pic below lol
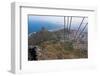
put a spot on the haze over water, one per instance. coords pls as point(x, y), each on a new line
point(52, 23)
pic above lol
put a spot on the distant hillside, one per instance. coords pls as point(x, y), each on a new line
point(36, 38)
point(41, 36)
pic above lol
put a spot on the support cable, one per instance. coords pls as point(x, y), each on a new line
point(82, 31)
point(79, 28)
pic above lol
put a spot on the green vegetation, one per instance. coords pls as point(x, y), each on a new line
point(58, 51)
point(53, 46)
point(68, 46)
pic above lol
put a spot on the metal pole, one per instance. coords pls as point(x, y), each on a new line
point(69, 26)
point(64, 27)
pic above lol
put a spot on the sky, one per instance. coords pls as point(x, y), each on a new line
point(35, 23)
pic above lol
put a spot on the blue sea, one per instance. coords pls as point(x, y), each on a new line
point(36, 23)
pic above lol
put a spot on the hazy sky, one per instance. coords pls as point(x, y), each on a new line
point(51, 19)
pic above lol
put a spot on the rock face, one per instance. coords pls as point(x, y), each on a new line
point(32, 55)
